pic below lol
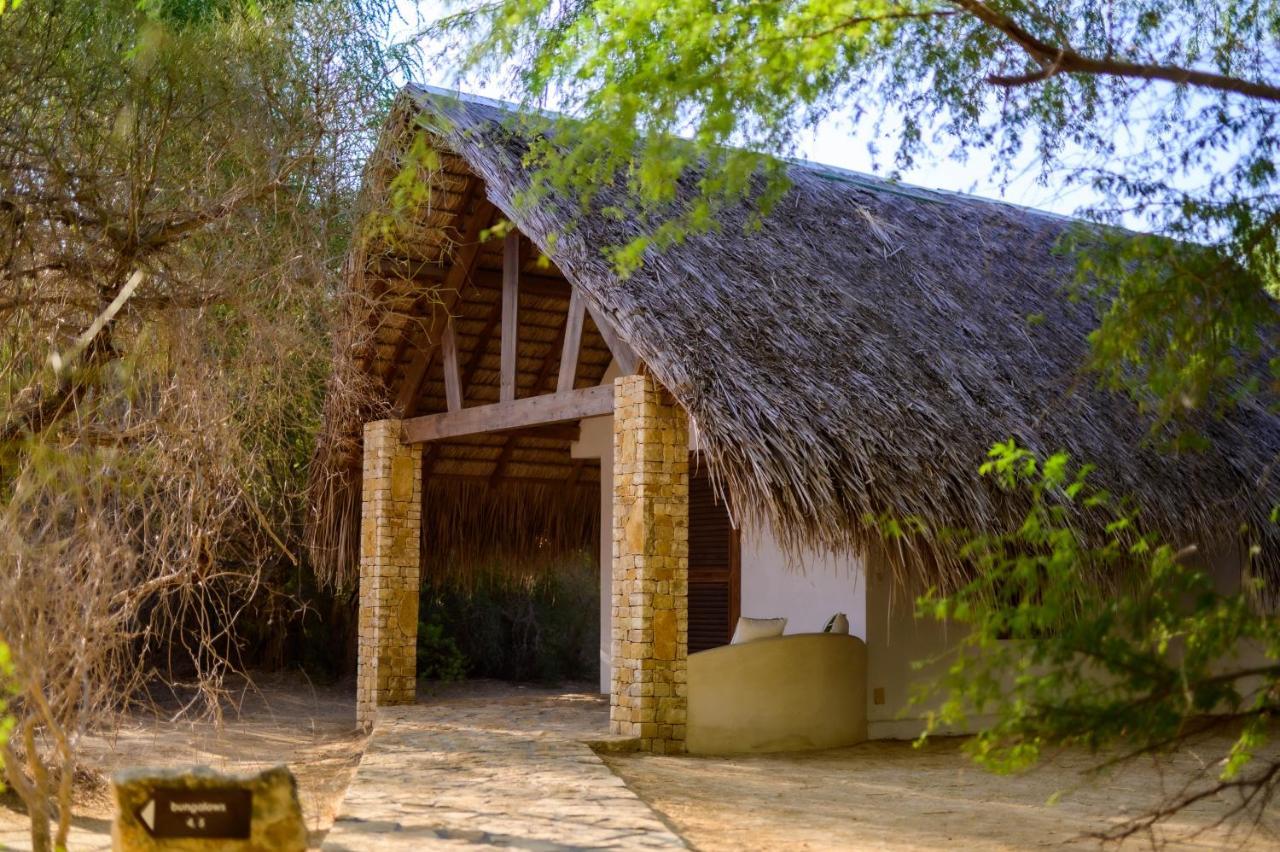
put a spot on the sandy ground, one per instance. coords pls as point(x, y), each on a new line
point(286, 720)
point(891, 796)
point(884, 795)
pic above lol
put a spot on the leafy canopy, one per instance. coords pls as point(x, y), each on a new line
point(1163, 108)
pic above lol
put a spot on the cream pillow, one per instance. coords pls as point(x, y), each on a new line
point(838, 623)
point(750, 629)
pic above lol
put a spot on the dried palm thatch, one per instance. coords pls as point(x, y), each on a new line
point(857, 354)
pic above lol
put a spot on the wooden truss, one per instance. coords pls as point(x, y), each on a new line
point(566, 404)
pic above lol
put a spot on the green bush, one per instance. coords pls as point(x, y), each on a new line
point(438, 655)
point(542, 628)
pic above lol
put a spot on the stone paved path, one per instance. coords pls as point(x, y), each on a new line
point(508, 769)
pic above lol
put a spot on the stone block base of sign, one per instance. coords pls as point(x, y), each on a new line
point(199, 810)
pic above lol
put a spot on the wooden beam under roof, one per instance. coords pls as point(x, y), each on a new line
point(510, 316)
point(450, 291)
point(470, 186)
point(544, 373)
point(626, 357)
point(501, 416)
point(572, 342)
point(449, 360)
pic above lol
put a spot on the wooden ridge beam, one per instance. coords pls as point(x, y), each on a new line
point(502, 416)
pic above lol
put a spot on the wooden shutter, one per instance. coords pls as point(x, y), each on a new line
point(713, 564)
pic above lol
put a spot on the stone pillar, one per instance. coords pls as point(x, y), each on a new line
point(390, 524)
point(650, 565)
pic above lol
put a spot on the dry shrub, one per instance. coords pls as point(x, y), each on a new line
point(176, 188)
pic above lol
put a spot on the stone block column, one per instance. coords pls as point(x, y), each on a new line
point(650, 565)
point(390, 524)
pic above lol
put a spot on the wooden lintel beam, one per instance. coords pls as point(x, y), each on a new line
point(510, 316)
point(501, 416)
point(572, 342)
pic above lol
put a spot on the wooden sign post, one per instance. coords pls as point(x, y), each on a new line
point(199, 809)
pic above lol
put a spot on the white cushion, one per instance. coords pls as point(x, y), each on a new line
point(750, 629)
point(838, 623)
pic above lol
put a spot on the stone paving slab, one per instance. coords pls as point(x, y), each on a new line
point(508, 770)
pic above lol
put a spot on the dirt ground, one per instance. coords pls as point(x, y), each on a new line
point(876, 796)
point(282, 720)
point(892, 796)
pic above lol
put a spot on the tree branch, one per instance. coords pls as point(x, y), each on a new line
point(1061, 59)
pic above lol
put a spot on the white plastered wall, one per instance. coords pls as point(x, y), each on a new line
point(897, 641)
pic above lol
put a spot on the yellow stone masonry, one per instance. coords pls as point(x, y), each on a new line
point(390, 524)
point(650, 565)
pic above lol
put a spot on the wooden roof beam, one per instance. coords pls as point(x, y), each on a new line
point(626, 357)
point(539, 381)
point(502, 416)
point(449, 360)
point(572, 342)
point(510, 316)
point(450, 291)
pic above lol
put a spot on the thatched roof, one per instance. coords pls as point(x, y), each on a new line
point(859, 352)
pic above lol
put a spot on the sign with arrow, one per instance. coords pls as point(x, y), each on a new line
point(216, 813)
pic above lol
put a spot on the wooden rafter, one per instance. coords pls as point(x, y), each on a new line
point(450, 291)
point(482, 346)
point(510, 316)
point(473, 364)
point(622, 352)
point(449, 360)
point(572, 342)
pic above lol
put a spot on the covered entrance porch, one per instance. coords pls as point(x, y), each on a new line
point(549, 376)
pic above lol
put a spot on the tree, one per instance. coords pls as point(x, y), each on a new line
point(176, 188)
point(1165, 110)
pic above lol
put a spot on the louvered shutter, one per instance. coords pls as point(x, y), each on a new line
point(713, 564)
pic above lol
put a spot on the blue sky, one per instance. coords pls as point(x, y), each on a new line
point(835, 143)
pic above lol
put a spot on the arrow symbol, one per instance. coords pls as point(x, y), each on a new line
point(147, 813)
